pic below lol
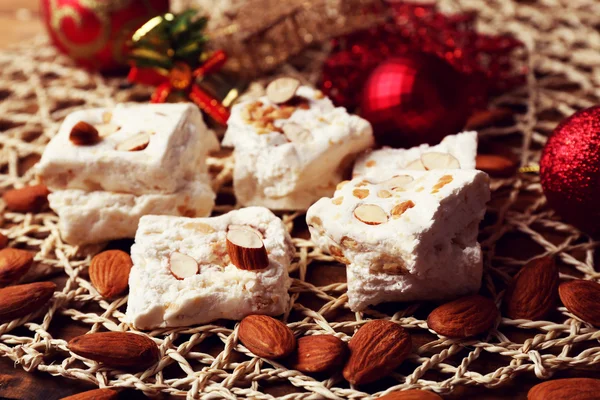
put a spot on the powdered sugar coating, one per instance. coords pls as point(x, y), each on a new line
point(384, 163)
point(419, 247)
point(277, 173)
point(219, 290)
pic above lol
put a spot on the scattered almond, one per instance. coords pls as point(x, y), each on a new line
point(109, 272)
point(533, 292)
point(413, 394)
point(416, 165)
point(320, 353)
point(296, 133)
point(96, 394)
point(182, 266)
point(3, 241)
point(495, 165)
point(266, 337)
point(484, 118)
point(435, 160)
point(84, 134)
point(401, 208)
point(246, 249)
point(135, 143)
point(464, 317)
point(27, 199)
point(282, 89)
point(376, 350)
point(563, 389)
point(582, 298)
point(370, 214)
point(20, 300)
point(14, 263)
point(360, 193)
point(117, 349)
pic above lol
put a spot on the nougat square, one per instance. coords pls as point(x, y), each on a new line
point(219, 289)
point(175, 152)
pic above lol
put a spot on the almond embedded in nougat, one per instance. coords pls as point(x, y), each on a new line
point(182, 266)
point(246, 249)
point(266, 337)
point(436, 160)
point(137, 142)
point(14, 263)
point(370, 214)
point(282, 89)
point(109, 272)
point(84, 134)
point(376, 350)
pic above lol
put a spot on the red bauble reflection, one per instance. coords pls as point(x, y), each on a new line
point(95, 33)
point(414, 99)
point(570, 170)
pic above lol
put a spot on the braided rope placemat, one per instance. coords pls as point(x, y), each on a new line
point(38, 88)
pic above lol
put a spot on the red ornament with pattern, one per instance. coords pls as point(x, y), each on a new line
point(95, 32)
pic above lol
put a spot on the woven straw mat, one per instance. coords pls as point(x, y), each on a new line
point(38, 89)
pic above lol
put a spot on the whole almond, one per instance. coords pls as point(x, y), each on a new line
point(3, 241)
point(266, 337)
point(582, 298)
point(495, 165)
point(20, 300)
point(14, 263)
point(320, 353)
point(413, 394)
point(566, 389)
point(84, 134)
point(376, 350)
point(27, 199)
point(533, 292)
point(484, 118)
point(109, 272)
point(96, 394)
point(464, 317)
point(117, 349)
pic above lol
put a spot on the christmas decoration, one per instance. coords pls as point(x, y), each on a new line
point(95, 33)
point(169, 52)
point(487, 63)
point(414, 99)
point(570, 169)
point(260, 35)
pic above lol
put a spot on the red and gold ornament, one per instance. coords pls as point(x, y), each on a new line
point(570, 170)
point(95, 33)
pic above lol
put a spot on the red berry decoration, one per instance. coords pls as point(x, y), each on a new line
point(95, 33)
point(414, 99)
point(570, 170)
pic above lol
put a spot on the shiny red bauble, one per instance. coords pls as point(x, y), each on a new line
point(414, 99)
point(95, 32)
point(570, 170)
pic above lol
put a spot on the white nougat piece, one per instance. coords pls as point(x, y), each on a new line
point(94, 217)
point(219, 289)
point(178, 144)
point(413, 237)
point(289, 155)
point(386, 162)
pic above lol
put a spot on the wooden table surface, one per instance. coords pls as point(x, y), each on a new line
point(19, 21)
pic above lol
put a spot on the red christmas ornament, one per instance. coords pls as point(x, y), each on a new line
point(570, 170)
point(95, 32)
point(414, 99)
